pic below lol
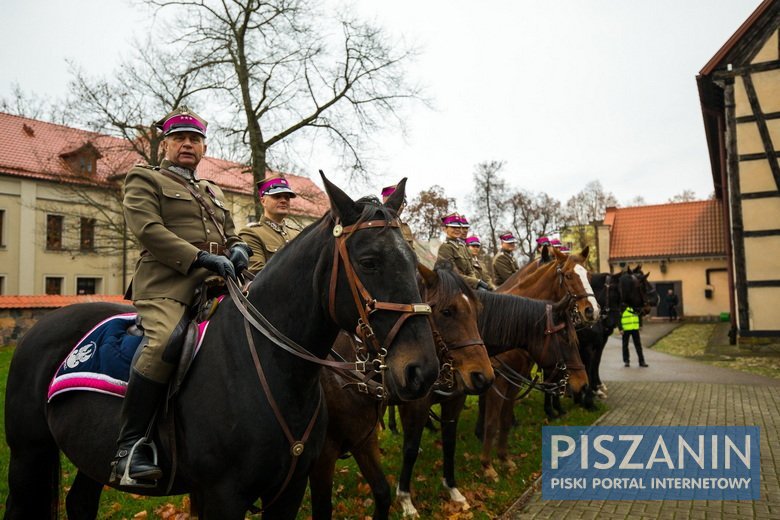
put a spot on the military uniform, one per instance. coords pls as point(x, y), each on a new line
point(172, 227)
point(454, 250)
point(406, 231)
point(480, 271)
point(265, 238)
point(504, 265)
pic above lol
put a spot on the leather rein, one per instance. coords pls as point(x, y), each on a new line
point(366, 305)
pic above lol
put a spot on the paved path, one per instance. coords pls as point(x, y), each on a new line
point(675, 392)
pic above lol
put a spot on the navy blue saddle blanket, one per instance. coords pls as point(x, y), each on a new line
point(100, 361)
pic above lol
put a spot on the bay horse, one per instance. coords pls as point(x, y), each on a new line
point(353, 415)
point(234, 441)
point(541, 332)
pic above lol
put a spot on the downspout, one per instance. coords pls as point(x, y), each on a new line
point(727, 229)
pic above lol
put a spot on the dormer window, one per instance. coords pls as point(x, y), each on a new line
point(83, 160)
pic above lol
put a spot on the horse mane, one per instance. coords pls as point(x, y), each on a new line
point(451, 285)
point(511, 321)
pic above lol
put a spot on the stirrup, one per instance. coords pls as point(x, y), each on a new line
point(126, 479)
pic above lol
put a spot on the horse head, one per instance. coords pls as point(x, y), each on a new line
point(565, 347)
point(371, 288)
point(455, 309)
point(649, 294)
point(574, 278)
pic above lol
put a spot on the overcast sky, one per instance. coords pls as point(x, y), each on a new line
point(566, 92)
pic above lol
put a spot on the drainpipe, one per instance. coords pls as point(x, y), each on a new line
point(727, 228)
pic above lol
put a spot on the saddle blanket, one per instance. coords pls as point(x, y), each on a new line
point(100, 361)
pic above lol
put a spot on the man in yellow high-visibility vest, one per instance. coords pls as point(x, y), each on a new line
point(629, 324)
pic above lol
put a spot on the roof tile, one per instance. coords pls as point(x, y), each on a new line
point(32, 149)
point(686, 229)
point(54, 301)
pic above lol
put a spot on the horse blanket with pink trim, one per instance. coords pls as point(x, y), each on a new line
point(100, 361)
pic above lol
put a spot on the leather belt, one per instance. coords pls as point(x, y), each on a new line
point(215, 248)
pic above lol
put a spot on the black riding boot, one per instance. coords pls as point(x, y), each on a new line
point(141, 401)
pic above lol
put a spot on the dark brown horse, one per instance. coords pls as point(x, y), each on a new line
point(355, 407)
point(240, 435)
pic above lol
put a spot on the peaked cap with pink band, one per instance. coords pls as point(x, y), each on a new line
point(451, 220)
point(275, 185)
point(182, 119)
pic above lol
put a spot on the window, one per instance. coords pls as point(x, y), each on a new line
point(54, 232)
point(87, 285)
point(2, 228)
point(53, 285)
point(2, 284)
point(87, 234)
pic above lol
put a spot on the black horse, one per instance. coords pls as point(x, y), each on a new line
point(234, 442)
point(613, 293)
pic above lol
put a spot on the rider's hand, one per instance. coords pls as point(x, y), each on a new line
point(218, 264)
point(239, 257)
point(481, 285)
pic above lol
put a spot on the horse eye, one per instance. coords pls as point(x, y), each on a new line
point(448, 312)
point(368, 263)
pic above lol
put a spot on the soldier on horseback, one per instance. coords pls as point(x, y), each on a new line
point(187, 234)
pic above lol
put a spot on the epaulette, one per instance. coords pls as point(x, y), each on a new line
point(147, 166)
point(254, 224)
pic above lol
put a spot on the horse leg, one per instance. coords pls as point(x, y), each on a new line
point(479, 429)
point(414, 415)
point(83, 498)
point(490, 412)
point(33, 480)
point(391, 424)
point(506, 421)
point(548, 407)
point(367, 456)
point(450, 412)
point(321, 481)
point(556, 400)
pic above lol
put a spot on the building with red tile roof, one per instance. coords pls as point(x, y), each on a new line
point(740, 104)
point(681, 244)
point(61, 224)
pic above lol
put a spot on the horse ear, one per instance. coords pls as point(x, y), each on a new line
point(560, 257)
point(429, 277)
point(585, 252)
point(545, 254)
point(340, 203)
point(396, 199)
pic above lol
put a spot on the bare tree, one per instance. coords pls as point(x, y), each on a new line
point(31, 105)
point(684, 196)
point(425, 210)
point(532, 216)
point(284, 74)
point(489, 200)
point(584, 208)
point(637, 201)
point(140, 91)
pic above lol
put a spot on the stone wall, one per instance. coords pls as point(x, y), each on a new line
point(15, 322)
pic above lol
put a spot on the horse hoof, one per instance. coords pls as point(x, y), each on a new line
point(490, 473)
point(456, 496)
point(407, 507)
point(600, 394)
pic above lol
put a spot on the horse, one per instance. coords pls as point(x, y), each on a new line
point(354, 410)
point(250, 418)
point(563, 275)
point(542, 332)
point(613, 292)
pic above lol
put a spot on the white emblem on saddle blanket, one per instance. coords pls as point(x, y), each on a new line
point(81, 354)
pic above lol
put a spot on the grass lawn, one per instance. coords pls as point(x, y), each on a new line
point(692, 340)
point(352, 494)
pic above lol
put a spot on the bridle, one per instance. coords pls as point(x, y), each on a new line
point(445, 383)
point(575, 297)
point(552, 385)
point(365, 304)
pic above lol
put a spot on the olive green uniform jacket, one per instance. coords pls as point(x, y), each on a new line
point(504, 265)
point(167, 220)
point(266, 238)
point(481, 272)
point(455, 251)
point(406, 232)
